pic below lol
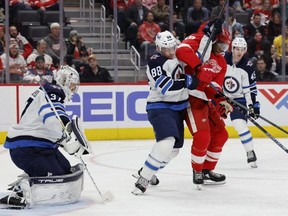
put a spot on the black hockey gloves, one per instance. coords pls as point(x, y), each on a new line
point(254, 110)
point(215, 24)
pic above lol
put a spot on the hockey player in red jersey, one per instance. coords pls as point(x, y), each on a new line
point(203, 116)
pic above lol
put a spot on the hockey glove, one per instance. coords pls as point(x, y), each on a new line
point(191, 82)
point(224, 107)
point(204, 73)
point(215, 24)
point(254, 110)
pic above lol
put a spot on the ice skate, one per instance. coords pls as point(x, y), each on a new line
point(251, 159)
point(13, 201)
point(198, 179)
point(153, 181)
point(140, 186)
point(212, 178)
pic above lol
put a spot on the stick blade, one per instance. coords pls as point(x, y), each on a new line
point(107, 196)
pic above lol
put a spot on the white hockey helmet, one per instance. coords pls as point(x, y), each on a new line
point(68, 78)
point(239, 42)
point(165, 39)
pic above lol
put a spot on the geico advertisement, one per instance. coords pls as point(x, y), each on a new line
point(123, 106)
point(106, 106)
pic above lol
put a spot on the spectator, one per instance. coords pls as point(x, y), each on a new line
point(233, 25)
point(82, 64)
point(273, 61)
point(196, 15)
point(254, 25)
point(216, 10)
point(15, 6)
point(135, 17)
point(161, 14)
point(2, 39)
point(274, 26)
point(258, 46)
point(264, 11)
point(75, 46)
point(53, 42)
point(178, 28)
point(47, 5)
point(278, 40)
point(25, 48)
point(149, 3)
point(17, 63)
point(35, 74)
point(146, 35)
point(122, 6)
point(187, 5)
point(95, 73)
point(262, 73)
point(40, 50)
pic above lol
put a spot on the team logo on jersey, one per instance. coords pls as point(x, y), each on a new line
point(231, 85)
point(249, 63)
point(177, 73)
point(215, 66)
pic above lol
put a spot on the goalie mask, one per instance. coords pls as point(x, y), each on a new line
point(68, 79)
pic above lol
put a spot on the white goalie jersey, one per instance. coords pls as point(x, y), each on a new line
point(38, 121)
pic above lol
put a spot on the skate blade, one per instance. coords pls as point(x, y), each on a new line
point(11, 206)
point(210, 183)
point(136, 191)
point(253, 164)
point(199, 187)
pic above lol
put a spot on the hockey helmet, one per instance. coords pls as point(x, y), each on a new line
point(165, 39)
point(239, 42)
point(68, 79)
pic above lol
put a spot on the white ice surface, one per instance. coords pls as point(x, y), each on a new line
point(248, 192)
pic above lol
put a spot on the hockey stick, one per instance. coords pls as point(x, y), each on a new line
point(235, 103)
point(107, 196)
point(267, 133)
point(273, 124)
point(212, 33)
point(245, 108)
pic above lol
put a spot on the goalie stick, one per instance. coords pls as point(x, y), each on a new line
point(107, 196)
point(235, 103)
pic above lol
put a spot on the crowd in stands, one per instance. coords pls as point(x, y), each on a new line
point(258, 21)
point(32, 59)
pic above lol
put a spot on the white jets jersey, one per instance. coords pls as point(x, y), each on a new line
point(38, 121)
point(167, 83)
point(240, 80)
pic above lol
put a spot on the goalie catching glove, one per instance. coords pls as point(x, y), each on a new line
point(75, 141)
